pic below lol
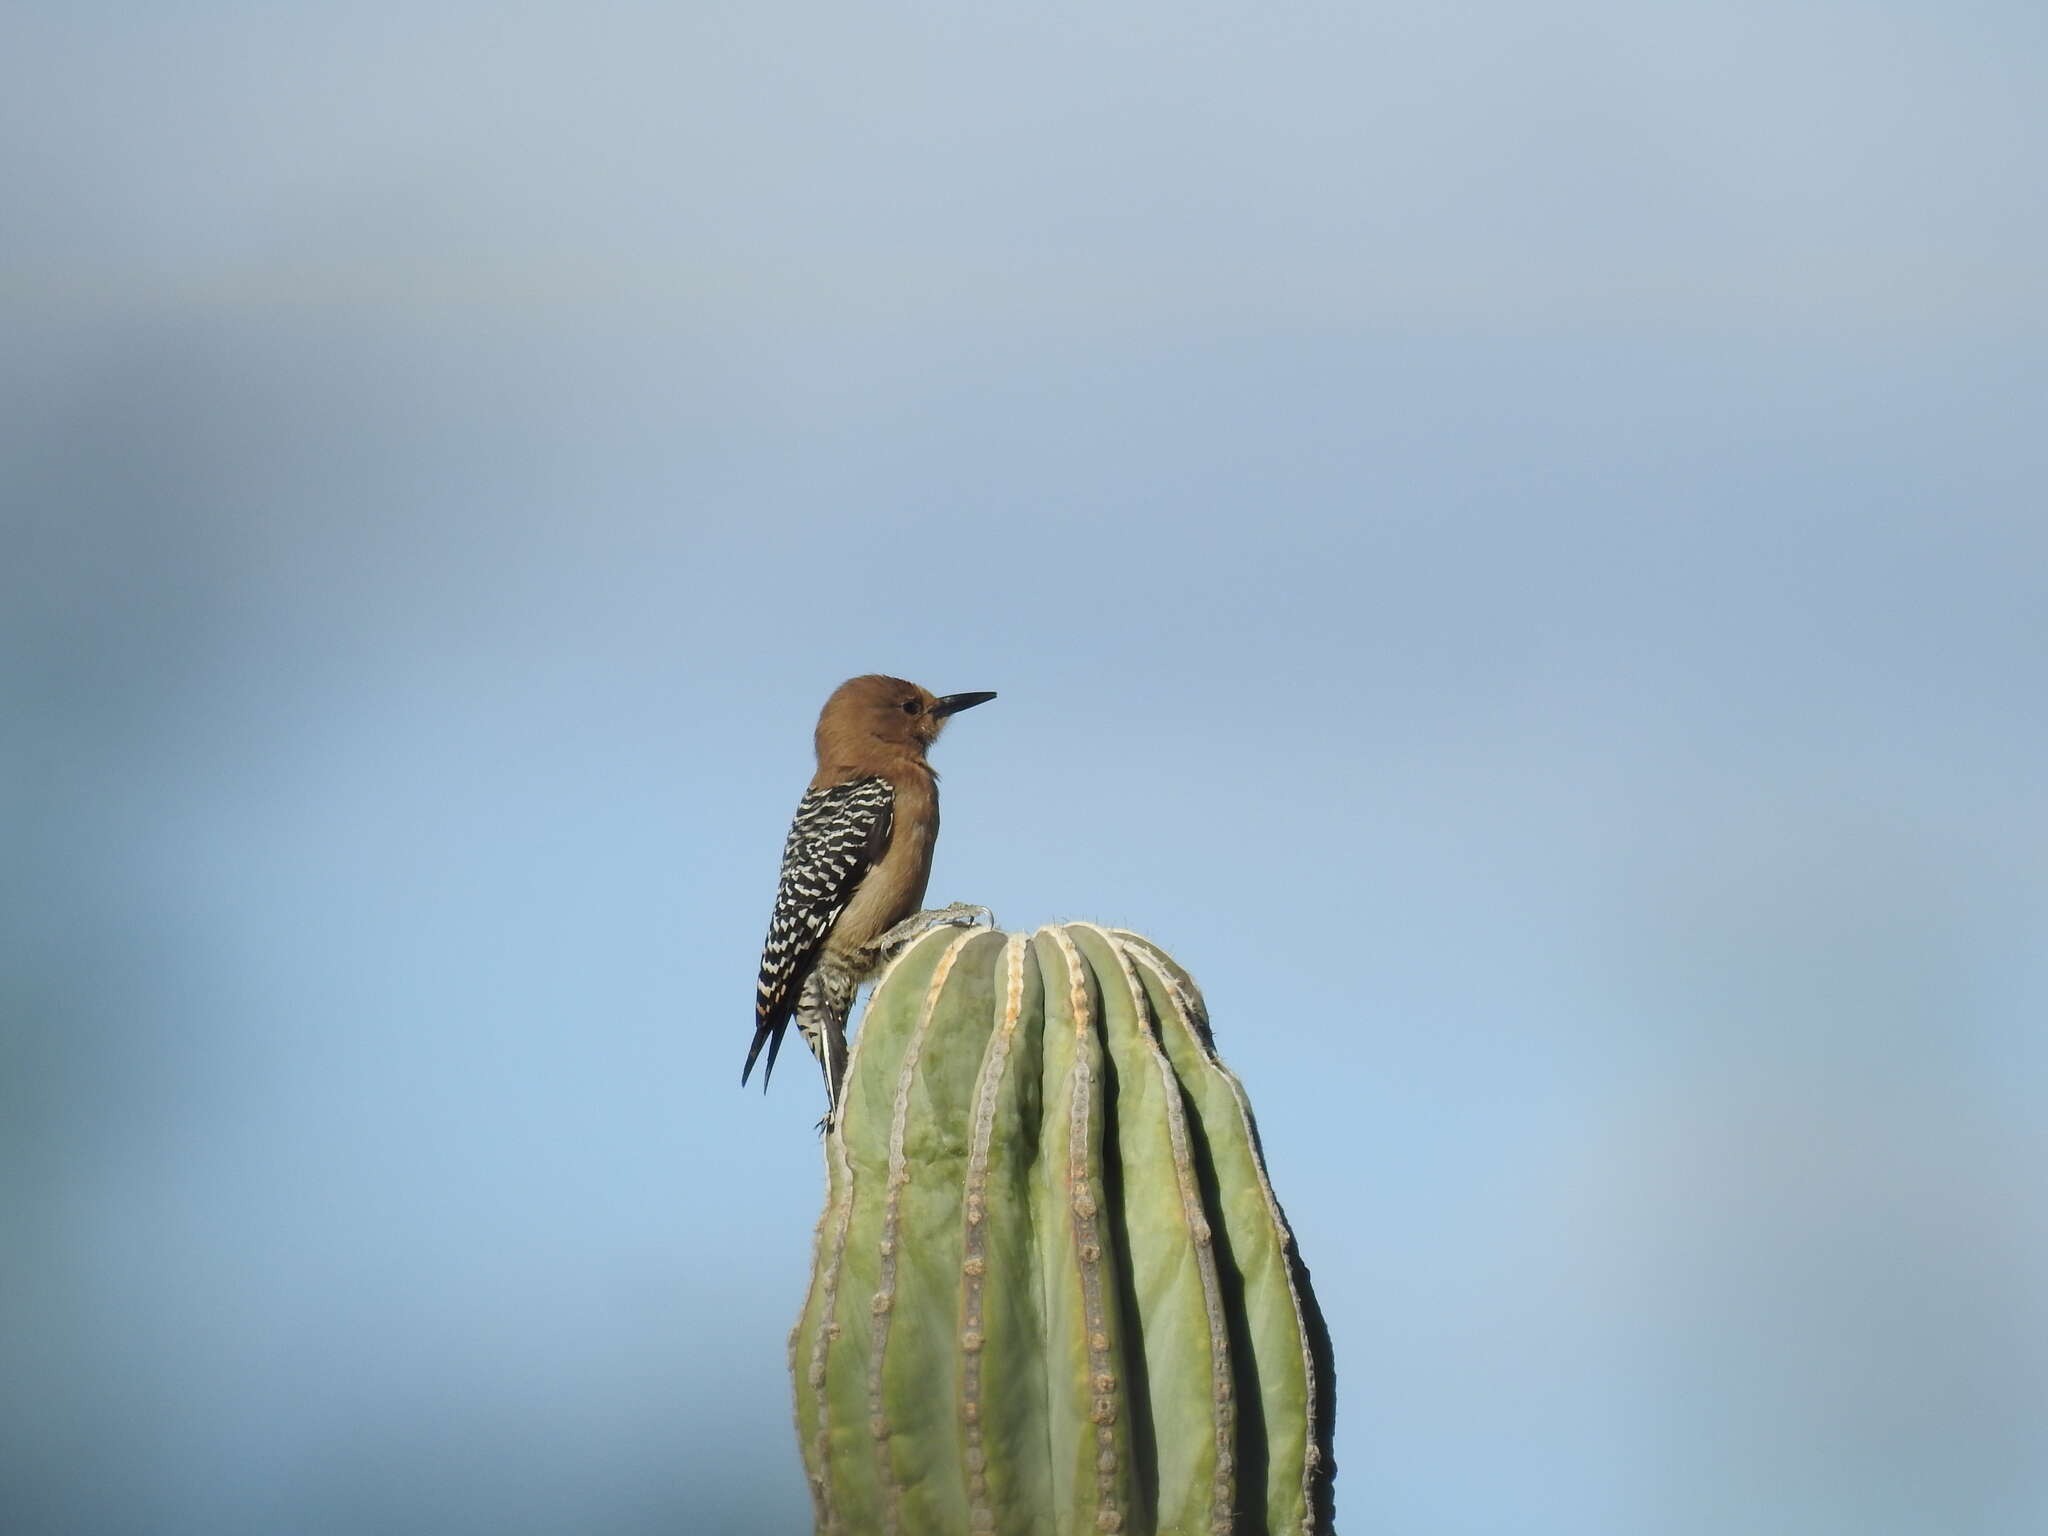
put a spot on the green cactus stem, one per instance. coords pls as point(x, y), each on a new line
point(1052, 1293)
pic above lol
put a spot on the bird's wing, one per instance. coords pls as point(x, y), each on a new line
point(838, 835)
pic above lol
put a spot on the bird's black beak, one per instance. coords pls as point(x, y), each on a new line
point(953, 703)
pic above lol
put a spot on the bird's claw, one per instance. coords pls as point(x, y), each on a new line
point(960, 914)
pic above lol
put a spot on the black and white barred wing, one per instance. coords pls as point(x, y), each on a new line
point(838, 835)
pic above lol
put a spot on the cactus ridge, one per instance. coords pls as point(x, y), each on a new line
point(1052, 1291)
point(1312, 1336)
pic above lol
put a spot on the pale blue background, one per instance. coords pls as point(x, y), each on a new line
point(1513, 539)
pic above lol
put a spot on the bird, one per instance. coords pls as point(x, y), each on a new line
point(854, 867)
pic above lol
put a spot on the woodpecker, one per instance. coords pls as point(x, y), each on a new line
point(854, 867)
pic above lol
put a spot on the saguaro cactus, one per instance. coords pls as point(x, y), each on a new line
point(1052, 1292)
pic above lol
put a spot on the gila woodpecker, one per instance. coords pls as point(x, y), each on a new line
point(855, 866)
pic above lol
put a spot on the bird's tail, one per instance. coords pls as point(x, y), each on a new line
point(769, 1035)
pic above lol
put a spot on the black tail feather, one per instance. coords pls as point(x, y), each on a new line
point(769, 1035)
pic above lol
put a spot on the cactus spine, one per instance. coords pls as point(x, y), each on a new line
point(1052, 1292)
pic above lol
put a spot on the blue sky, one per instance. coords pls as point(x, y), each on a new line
point(1513, 544)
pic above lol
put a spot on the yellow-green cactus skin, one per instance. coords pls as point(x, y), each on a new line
point(1052, 1292)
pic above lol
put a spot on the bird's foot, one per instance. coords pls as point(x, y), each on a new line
point(959, 915)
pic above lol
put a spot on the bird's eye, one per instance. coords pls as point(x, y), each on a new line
point(911, 706)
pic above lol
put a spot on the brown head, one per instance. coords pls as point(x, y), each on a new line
point(873, 722)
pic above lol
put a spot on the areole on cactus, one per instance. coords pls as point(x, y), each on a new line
point(1052, 1292)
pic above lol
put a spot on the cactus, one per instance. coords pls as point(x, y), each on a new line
point(1052, 1292)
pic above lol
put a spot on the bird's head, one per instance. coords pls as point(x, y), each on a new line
point(865, 711)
